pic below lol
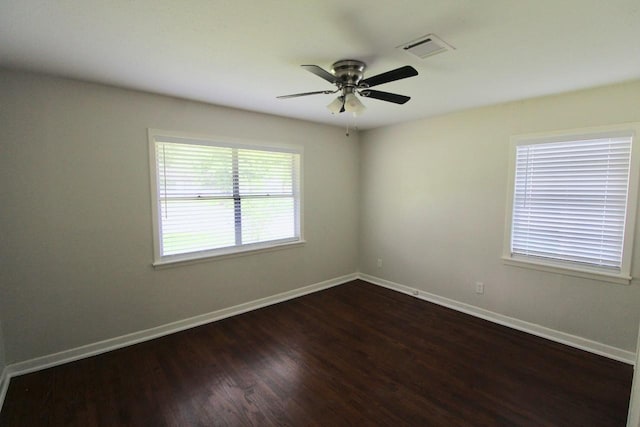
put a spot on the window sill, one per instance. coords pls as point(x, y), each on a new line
point(620, 279)
point(188, 259)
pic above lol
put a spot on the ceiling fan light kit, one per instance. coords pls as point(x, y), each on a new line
point(348, 76)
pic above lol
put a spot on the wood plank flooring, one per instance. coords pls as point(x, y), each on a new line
point(356, 354)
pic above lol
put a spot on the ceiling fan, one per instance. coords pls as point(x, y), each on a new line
point(348, 76)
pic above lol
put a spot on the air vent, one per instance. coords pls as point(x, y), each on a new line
point(426, 46)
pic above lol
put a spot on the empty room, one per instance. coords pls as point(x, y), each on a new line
point(319, 213)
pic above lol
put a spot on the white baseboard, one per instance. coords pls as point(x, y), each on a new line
point(4, 385)
point(521, 325)
point(93, 349)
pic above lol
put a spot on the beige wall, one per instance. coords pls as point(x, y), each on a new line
point(433, 207)
point(2, 357)
point(633, 420)
point(76, 214)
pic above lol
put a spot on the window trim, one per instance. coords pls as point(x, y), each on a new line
point(155, 135)
point(624, 276)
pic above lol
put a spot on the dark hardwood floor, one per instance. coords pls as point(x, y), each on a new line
point(356, 354)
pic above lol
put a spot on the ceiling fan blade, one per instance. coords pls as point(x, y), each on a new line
point(295, 95)
point(385, 96)
point(389, 76)
point(320, 72)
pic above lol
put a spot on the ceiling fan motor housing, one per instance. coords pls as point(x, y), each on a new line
point(349, 72)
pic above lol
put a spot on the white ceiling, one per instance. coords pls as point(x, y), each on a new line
point(243, 54)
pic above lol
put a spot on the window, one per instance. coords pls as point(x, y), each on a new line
point(572, 203)
point(217, 197)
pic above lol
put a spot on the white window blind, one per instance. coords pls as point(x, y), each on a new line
point(570, 201)
point(212, 197)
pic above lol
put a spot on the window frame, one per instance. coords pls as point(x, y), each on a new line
point(559, 267)
point(158, 135)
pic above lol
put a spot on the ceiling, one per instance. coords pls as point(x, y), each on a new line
point(243, 54)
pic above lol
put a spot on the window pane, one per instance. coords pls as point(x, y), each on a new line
point(267, 219)
point(187, 170)
point(265, 172)
point(196, 225)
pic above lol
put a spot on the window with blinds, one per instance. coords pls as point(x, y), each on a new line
point(217, 198)
point(570, 201)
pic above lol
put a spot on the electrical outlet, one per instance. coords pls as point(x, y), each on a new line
point(379, 262)
point(479, 288)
